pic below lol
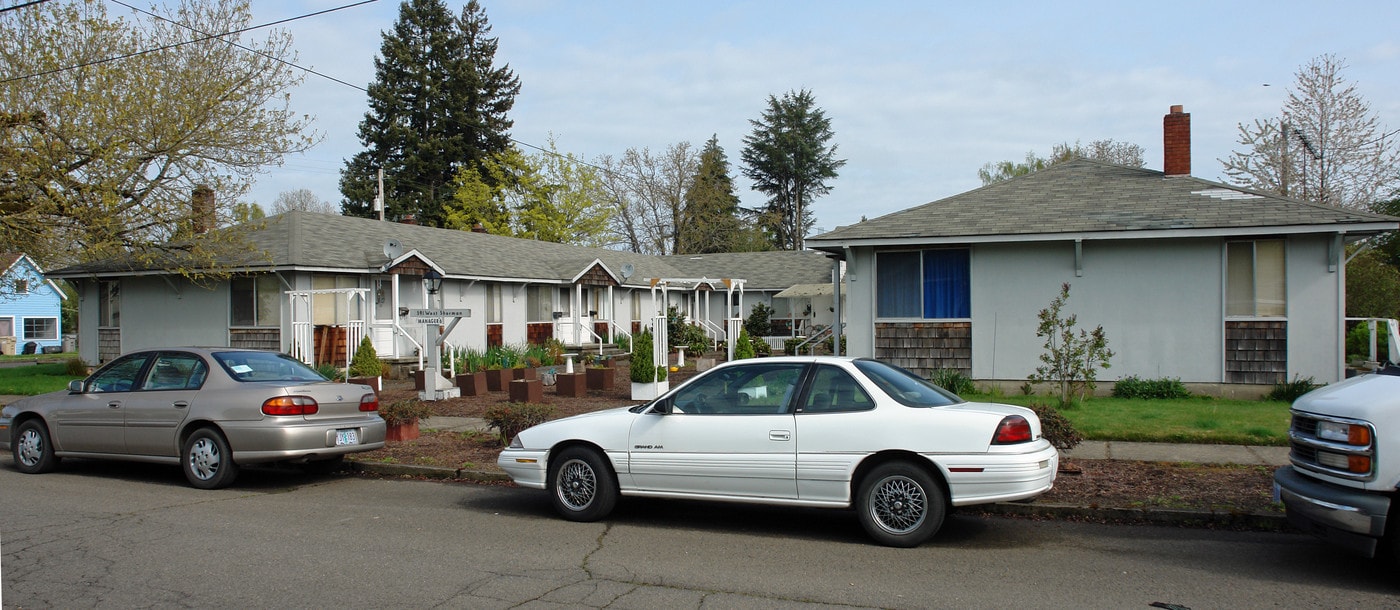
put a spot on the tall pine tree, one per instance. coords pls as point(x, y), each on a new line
point(789, 157)
point(709, 221)
point(437, 104)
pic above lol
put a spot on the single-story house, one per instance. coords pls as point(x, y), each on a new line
point(316, 283)
point(31, 307)
point(1191, 279)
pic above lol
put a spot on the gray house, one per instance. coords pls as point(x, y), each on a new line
point(316, 283)
point(1191, 279)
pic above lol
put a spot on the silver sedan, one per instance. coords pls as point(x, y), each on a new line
point(209, 410)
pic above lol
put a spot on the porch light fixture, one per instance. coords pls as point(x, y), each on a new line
point(432, 280)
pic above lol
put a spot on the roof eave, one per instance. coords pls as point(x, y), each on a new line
point(1365, 229)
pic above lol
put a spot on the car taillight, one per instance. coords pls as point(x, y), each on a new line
point(1012, 429)
point(290, 405)
point(369, 402)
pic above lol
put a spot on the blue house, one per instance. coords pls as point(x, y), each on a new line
point(30, 306)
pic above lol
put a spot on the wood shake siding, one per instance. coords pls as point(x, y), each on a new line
point(925, 347)
point(1256, 352)
point(256, 338)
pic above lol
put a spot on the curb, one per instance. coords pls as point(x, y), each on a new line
point(1144, 516)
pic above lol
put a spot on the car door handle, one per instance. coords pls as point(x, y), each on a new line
point(779, 435)
point(115, 404)
point(180, 404)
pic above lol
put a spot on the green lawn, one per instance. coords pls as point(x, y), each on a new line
point(29, 380)
point(1189, 420)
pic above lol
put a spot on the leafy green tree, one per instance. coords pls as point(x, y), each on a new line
point(437, 104)
point(789, 157)
point(1373, 287)
point(108, 125)
point(1389, 243)
point(710, 220)
point(1108, 151)
point(1327, 146)
point(549, 196)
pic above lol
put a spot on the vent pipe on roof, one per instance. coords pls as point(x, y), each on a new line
point(1176, 142)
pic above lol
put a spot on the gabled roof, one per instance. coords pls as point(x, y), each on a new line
point(10, 260)
point(332, 243)
point(1095, 200)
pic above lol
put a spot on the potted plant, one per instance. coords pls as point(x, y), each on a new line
point(472, 379)
point(401, 418)
point(642, 371)
point(600, 373)
point(498, 375)
point(365, 366)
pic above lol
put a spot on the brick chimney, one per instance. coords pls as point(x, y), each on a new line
point(202, 209)
point(478, 228)
point(408, 219)
point(1176, 142)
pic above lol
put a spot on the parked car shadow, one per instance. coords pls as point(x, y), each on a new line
point(268, 479)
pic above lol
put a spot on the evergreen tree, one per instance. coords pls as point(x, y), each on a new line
point(437, 105)
point(710, 218)
point(789, 158)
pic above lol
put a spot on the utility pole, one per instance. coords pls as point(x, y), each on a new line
point(379, 199)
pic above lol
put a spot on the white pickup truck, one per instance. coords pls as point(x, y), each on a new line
point(1344, 481)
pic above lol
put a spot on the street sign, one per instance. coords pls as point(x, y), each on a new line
point(437, 321)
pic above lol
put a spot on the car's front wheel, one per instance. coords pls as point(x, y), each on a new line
point(581, 486)
point(900, 504)
point(207, 460)
point(31, 448)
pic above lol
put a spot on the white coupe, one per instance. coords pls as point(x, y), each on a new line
point(800, 431)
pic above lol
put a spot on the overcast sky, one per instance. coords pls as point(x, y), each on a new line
point(920, 94)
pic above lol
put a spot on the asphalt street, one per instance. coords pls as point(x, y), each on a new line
point(112, 535)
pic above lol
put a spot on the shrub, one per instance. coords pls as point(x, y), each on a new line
point(1359, 342)
point(758, 323)
point(954, 381)
point(75, 367)
point(743, 347)
point(641, 369)
point(1071, 359)
point(1133, 387)
point(661, 372)
point(831, 344)
point(404, 411)
point(790, 345)
point(365, 363)
point(1055, 427)
point(509, 419)
point(1290, 391)
point(329, 371)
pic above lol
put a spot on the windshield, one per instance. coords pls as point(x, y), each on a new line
point(265, 366)
point(906, 387)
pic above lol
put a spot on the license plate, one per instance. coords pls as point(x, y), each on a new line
point(348, 436)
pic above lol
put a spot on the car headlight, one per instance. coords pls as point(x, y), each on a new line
point(1350, 434)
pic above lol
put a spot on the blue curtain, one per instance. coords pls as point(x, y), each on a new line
point(947, 288)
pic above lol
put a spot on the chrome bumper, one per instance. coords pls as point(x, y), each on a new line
point(1350, 518)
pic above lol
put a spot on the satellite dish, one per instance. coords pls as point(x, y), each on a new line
point(627, 271)
point(392, 248)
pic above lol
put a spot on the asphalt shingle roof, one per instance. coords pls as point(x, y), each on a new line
point(1083, 196)
point(329, 242)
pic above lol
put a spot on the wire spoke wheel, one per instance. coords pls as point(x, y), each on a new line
point(901, 504)
point(582, 486)
point(898, 504)
point(578, 484)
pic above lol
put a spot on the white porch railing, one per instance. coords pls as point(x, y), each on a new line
point(304, 320)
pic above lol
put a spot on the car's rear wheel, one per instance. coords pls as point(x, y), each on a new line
point(207, 460)
point(31, 448)
point(900, 504)
point(581, 486)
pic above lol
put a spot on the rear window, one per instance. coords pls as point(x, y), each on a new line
point(265, 366)
point(905, 386)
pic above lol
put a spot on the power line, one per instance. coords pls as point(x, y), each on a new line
point(20, 6)
point(180, 44)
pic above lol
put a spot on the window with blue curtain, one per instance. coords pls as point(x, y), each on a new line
point(946, 284)
point(929, 284)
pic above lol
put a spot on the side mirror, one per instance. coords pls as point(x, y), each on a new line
point(75, 386)
point(662, 406)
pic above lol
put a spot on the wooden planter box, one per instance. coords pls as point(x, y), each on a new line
point(571, 384)
point(472, 384)
point(403, 431)
point(601, 379)
point(527, 390)
point(418, 383)
point(525, 373)
point(497, 380)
